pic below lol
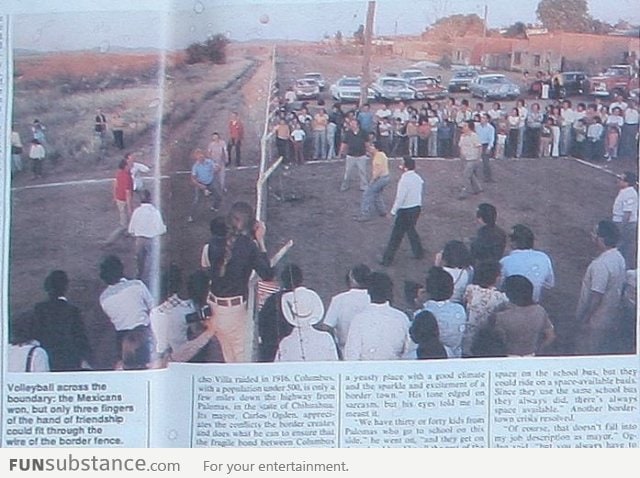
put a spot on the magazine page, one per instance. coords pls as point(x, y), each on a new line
point(191, 202)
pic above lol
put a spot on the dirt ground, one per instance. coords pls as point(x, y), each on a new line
point(63, 226)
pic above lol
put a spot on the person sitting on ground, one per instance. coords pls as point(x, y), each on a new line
point(380, 331)
point(346, 305)
point(425, 333)
point(490, 241)
point(59, 328)
point(272, 324)
point(456, 260)
point(524, 324)
point(450, 315)
point(303, 309)
point(25, 353)
point(481, 299)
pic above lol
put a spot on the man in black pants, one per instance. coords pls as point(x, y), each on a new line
point(406, 208)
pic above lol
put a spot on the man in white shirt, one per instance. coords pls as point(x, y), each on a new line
point(135, 168)
point(618, 103)
point(525, 261)
point(406, 209)
point(379, 332)
point(126, 302)
point(346, 305)
point(470, 148)
point(147, 226)
point(625, 216)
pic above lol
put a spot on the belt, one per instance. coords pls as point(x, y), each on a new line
point(226, 301)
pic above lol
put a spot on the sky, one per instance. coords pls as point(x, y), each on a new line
point(173, 24)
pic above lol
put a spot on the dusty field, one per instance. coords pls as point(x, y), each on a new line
point(61, 227)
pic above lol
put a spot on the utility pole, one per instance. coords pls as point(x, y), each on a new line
point(484, 37)
point(366, 61)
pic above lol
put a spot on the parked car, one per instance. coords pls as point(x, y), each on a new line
point(347, 89)
point(494, 87)
point(461, 80)
point(617, 79)
point(393, 89)
point(307, 89)
point(318, 77)
point(427, 88)
point(411, 73)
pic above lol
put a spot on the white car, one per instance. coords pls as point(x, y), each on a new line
point(318, 77)
point(307, 89)
point(393, 89)
point(347, 89)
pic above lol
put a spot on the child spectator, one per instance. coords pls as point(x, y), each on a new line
point(425, 333)
point(455, 259)
point(412, 135)
point(594, 139)
point(37, 155)
point(297, 137)
point(546, 137)
point(481, 299)
point(450, 316)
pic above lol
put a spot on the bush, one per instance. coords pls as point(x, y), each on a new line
point(213, 50)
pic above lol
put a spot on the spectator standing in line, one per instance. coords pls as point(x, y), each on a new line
point(524, 260)
point(272, 323)
point(38, 131)
point(233, 259)
point(236, 135)
point(122, 195)
point(16, 152)
point(332, 131)
point(117, 128)
point(629, 138)
point(625, 216)
point(36, 155)
point(525, 325)
point(100, 133)
point(346, 305)
point(567, 117)
point(302, 308)
point(59, 328)
point(354, 146)
point(380, 331)
point(217, 151)
point(372, 198)
point(135, 168)
point(204, 182)
point(486, 133)
point(490, 241)
point(595, 133)
point(282, 131)
point(127, 303)
point(297, 139)
point(367, 119)
point(535, 119)
point(25, 354)
point(319, 125)
point(147, 226)
point(470, 154)
point(406, 209)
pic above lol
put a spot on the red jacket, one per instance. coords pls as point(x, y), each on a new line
point(236, 129)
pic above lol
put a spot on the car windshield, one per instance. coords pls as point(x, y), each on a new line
point(423, 82)
point(464, 74)
point(393, 84)
point(493, 80)
point(315, 76)
point(350, 82)
point(307, 83)
point(616, 72)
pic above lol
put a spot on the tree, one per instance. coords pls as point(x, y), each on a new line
point(358, 35)
point(517, 30)
point(213, 50)
point(457, 25)
point(600, 27)
point(564, 15)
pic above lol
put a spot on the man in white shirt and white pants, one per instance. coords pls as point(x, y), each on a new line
point(147, 226)
point(406, 209)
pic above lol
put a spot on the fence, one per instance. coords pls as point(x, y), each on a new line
point(257, 289)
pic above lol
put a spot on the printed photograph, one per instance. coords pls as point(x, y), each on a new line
point(234, 183)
